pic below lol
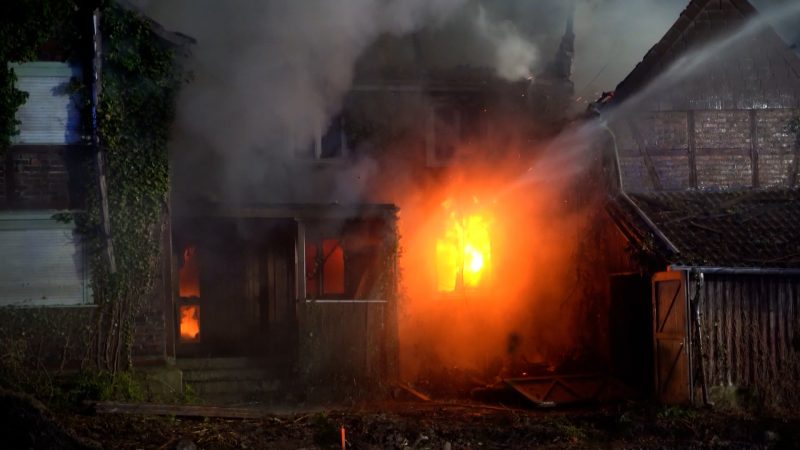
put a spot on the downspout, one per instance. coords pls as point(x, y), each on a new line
point(100, 162)
point(630, 201)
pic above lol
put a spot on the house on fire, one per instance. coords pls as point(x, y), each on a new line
point(703, 165)
point(265, 298)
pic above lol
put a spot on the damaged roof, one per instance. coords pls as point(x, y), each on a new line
point(739, 229)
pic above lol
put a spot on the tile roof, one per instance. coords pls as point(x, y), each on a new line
point(754, 228)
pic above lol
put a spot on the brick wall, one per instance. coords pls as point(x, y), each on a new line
point(710, 117)
point(153, 332)
point(44, 177)
point(55, 177)
point(706, 149)
point(775, 146)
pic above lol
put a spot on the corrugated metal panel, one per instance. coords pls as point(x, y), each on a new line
point(50, 115)
point(751, 331)
point(43, 263)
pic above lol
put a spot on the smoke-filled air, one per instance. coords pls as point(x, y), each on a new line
point(496, 271)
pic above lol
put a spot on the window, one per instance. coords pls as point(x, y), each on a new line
point(463, 253)
point(189, 293)
point(451, 130)
point(325, 269)
point(188, 274)
point(43, 261)
point(331, 145)
point(50, 114)
point(190, 323)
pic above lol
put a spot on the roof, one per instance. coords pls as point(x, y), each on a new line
point(174, 38)
point(306, 211)
point(735, 229)
point(698, 24)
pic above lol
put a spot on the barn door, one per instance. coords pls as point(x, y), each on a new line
point(670, 342)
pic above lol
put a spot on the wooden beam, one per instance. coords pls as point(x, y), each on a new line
point(100, 162)
point(754, 148)
point(692, 148)
point(648, 161)
point(160, 409)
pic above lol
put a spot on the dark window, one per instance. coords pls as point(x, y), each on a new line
point(188, 274)
point(334, 141)
point(330, 145)
point(325, 269)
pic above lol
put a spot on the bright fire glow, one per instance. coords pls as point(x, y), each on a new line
point(189, 274)
point(463, 255)
point(190, 323)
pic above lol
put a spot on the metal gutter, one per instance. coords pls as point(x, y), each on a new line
point(737, 270)
point(630, 201)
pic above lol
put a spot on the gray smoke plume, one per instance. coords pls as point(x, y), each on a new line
point(270, 74)
point(514, 55)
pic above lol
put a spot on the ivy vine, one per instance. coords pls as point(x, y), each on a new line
point(139, 83)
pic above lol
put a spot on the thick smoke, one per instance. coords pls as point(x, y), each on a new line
point(514, 55)
point(269, 75)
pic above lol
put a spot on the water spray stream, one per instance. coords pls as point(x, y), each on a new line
point(689, 63)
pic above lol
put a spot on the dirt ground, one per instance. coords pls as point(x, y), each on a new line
point(445, 426)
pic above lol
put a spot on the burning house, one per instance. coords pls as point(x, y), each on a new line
point(446, 225)
point(704, 167)
point(288, 286)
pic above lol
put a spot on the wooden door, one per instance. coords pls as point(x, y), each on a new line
point(670, 338)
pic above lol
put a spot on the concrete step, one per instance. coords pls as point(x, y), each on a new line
point(220, 363)
point(206, 388)
point(204, 375)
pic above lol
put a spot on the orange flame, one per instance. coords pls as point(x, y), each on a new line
point(190, 323)
point(463, 255)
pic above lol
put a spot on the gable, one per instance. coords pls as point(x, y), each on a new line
point(756, 71)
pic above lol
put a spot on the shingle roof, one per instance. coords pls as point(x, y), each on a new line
point(757, 228)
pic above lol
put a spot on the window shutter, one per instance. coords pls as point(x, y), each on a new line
point(50, 114)
point(43, 262)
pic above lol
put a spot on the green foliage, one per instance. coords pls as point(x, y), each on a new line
point(326, 431)
point(140, 82)
point(189, 395)
point(104, 386)
point(18, 373)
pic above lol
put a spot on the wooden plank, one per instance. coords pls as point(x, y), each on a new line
point(408, 388)
point(161, 409)
point(754, 148)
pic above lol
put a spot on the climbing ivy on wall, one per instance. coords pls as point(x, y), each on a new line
point(140, 80)
point(136, 108)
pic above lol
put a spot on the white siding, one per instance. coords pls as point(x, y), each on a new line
point(42, 262)
point(50, 115)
